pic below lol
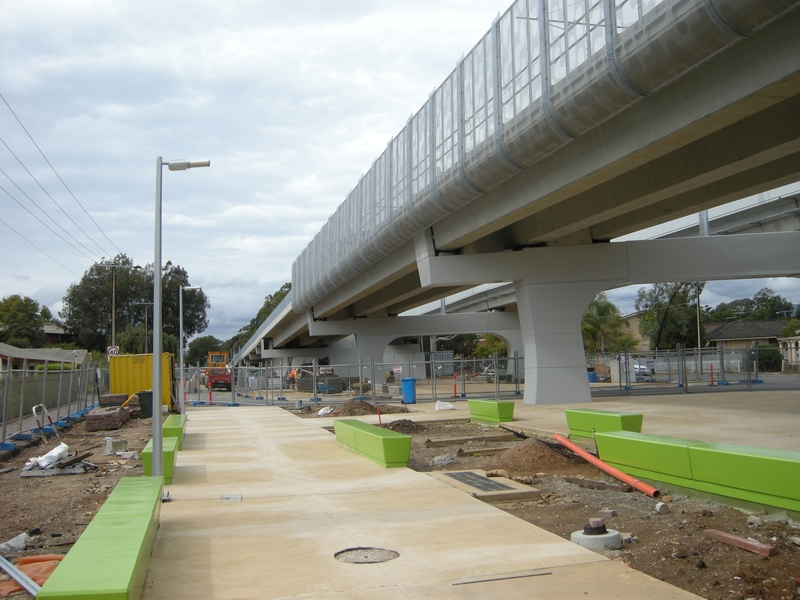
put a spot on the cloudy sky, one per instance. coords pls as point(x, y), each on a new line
point(290, 100)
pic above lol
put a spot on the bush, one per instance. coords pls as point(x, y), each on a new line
point(769, 360)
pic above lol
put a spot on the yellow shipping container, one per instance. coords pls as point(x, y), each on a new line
point(131, 373)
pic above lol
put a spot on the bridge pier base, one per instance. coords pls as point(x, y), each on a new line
point(550, 320)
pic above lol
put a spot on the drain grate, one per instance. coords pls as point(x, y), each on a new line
point(477, 481)
point(365, 555)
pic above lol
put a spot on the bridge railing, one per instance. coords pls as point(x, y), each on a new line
point(547, 72)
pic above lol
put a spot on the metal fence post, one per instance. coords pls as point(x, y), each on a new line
point(58, 401)
point(372, 377)
point(44, 385)
point(5, 398)
point(22, 391)
point(433, 377)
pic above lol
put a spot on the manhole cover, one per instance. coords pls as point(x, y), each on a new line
point(480, 482)
point(365, 556)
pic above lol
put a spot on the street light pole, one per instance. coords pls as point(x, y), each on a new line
point(158, 443)
point(146, 306)
point(180, 343)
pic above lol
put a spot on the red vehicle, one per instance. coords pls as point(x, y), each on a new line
point(219, 377)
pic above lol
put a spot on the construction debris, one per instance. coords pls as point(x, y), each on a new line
point(111, 417)
point(598, 485)
point(739, 542)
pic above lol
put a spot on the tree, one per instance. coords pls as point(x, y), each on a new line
point(21, 322)
point(791, 328)
point(133, 340)
point(603, 327)
point(460, 345)
point(669, 314)
point(271, 302)
point(200, 347)
point(765, 305)
point(87, 304)
point(489, 346)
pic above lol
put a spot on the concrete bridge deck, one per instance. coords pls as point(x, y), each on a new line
point(303, 498)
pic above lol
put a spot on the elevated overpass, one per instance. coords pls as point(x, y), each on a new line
point(565, 126)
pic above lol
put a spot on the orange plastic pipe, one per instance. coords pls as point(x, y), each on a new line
point(616, 473)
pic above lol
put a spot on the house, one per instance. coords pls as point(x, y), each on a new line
point(790, 348)
point(737, 334)
point(17, 357)
point(56, 334)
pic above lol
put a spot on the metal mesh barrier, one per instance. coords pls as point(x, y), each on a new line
point(547, 72)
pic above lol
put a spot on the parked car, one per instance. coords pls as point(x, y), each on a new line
point(643, 370)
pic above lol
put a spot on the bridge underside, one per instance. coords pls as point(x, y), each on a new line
point(725, 131)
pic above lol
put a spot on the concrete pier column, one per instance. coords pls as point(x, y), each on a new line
point(550, 319)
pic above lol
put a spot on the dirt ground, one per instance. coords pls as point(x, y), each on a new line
point(670, 547)
point(55, 510)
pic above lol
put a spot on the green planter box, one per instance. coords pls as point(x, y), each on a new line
point(584, 423)
point(656, 457)
point(170, 447)
point(174, 426)
point(758, 475)
point(491, 411)
point(382, 446)
point(110, 559)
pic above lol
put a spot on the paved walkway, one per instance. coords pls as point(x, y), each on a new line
point(304, 498)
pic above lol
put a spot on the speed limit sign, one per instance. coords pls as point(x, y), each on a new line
point(112, 350)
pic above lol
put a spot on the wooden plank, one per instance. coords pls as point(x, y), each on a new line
point(457, 441)
point(740, 542)
point(598, 485)
point(479, 451)
point(69, 461)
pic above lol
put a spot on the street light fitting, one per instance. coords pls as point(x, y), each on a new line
point(183, 164)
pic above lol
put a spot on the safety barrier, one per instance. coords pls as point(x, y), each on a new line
point(110, 559)
point(583, 423)
point(170, 448)
point(383, 446)
point(759, 475)
point(491, 411)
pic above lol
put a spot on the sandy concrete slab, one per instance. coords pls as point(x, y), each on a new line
point(262, 501)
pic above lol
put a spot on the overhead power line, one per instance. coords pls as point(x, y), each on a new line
point(48, 216)
point(30, 137)
point(37, 247)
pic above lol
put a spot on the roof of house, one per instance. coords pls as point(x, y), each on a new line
point(54, 328)
point(745, 330)
point(42, 354)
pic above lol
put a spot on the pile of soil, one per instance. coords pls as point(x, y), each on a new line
point(405, 426)
point(532, 456)
point(350, 408)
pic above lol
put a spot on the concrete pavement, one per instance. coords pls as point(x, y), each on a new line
point(304, 498)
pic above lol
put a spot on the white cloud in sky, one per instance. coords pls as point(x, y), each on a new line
point(291, 101)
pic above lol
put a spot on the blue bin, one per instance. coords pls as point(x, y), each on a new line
point(409, 390)
point(592, 377)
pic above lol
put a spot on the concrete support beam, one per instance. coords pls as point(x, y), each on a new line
point(554, 285)
point(416, 326)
